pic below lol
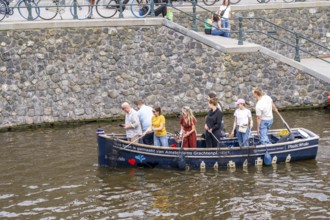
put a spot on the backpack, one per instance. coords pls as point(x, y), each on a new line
point(207, 26)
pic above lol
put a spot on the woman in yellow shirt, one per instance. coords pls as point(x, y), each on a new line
point(158, 127)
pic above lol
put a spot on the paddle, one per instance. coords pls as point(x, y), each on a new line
point(284, 122)
point(133, 141)
point(181, 158)
point(288, 137)
point(215, 138)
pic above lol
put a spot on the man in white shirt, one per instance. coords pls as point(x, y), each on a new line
point(264, 112)
point(132, 123)
point(145, 114)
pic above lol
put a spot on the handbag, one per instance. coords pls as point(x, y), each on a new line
point(222, 12)
point(242, 128)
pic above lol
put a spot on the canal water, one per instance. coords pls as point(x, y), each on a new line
point(53, 174)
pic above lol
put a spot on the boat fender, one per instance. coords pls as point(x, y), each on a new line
point(288, 159)
point(216, 166)
point(181, 162)
point(202, 166)
point(267, 159)
point(231, 164)
point(274, 160)
point(245, 164)
point(258, 162)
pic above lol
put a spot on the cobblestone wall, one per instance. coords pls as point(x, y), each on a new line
point(82, 73)
point(312, 23)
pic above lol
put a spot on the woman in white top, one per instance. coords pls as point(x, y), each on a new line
point(224, 13)
point(243, 123)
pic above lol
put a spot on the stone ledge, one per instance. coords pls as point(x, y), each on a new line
point(227, 45)
point(17, 25)
point(300, 66)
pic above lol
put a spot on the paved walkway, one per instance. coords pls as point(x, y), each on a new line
point(229, 45)
point(319, 66)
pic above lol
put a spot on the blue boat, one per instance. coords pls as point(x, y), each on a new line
point(115, 151)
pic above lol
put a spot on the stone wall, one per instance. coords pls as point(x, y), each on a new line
point(61, 74)
point(311, 20)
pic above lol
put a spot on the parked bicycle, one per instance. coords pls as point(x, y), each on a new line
point(233, 2)
point(50, 9)
point(23, 7)
point(109, 8)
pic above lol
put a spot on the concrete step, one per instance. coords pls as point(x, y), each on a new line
point(229, 45)
point(320, 67)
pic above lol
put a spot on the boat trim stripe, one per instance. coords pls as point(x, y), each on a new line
point(220, 156)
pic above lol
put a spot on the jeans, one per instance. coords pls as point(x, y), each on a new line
point(148, 139)
point(161, 140)
point(263, 130)
point(243, 138)
point(219, 33)
point(225, 24)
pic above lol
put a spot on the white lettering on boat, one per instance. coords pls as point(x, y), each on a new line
point(292, 146)
point(263, 150)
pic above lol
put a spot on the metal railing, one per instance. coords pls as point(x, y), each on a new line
point(241, 32)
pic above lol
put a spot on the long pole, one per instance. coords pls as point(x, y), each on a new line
point(133, 141)
point(284, 122)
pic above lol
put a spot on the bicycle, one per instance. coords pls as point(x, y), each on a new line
point(49, 10)
point(109, 8)
point(289, 1)
point(233, 2)
point(23, 9)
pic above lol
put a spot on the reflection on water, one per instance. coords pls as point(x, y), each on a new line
point(53, 174)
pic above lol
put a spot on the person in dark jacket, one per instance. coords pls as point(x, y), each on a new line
point(162, 9)
point(213, 124)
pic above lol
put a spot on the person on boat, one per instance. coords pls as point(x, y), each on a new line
point(145, 115)
point(158, 127)
point(213, 124)
point(212, 95)
point(132, 123)
point(264, 112)
point(243, 123)
point(188, 128)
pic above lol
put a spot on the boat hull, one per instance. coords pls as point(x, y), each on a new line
point(117, 153)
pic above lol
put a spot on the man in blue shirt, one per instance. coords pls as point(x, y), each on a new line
point(145, 114)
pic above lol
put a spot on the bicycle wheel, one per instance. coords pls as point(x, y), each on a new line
point(3, 10)
point(24, 12)
point(140, 9)
point(84, 9)
point(48, 10)
point(106, 8)
point(210, 2)
point(234, 2)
